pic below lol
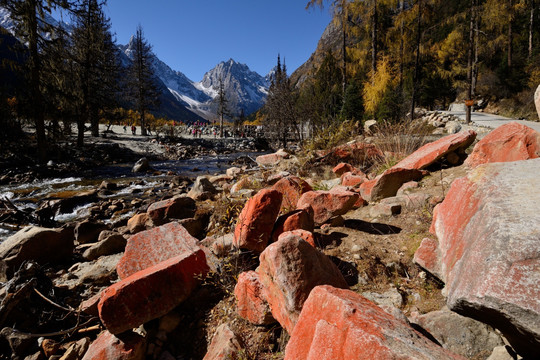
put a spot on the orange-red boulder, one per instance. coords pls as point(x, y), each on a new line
point(126, 346)
point(509, 142)
point(151, 293)
point(308, 236)
point(179, 207)
point(250, 303)
point(388, 183)
point(488, 227)
point(256, 221)
point(292, 188)
point(430, 153)
point(150, 247)
point(428, 257)
point(225, 345)
point(342, 324)
point(353, 179)
point(289, 269)
point(297, 219)
point(342, 168)
point(327, 204)
point(272, 159)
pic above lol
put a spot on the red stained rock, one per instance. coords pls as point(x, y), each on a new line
point(388, 183)
point(341, 324)
point(304, 234)
point(251, 304)
point(272, 159)
point(353, 179)
point(288, 271)
point(153, 246)
point(127, 346)
point(297, 219)
point(509, 142)
point(342, 168)
point(225, 344)
point(428, 257)
point(488, 228)
point(327, 204)
point(151, 293)
point(430, 153)
point(256, 220)
point(179, 207)
point(292, 188)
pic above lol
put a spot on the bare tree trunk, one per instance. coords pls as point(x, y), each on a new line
point(417, 60)
point(374, 25)
point(510, 32)
point(531, 28)
point(476, 37)
point(401, 45)
point(470, 63)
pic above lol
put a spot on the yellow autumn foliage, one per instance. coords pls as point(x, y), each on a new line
point(375, 88)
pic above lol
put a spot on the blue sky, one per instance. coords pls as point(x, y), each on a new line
point(192, 36)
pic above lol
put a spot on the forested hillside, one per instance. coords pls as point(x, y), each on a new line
point(381, 58)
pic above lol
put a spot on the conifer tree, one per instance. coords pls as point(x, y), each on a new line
point(142, 84)
point(96, 61)
point(29, 16)
point(281, 121)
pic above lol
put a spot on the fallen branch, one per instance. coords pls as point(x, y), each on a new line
point(53, 303)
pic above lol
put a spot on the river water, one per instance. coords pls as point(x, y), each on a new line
point(29, 195)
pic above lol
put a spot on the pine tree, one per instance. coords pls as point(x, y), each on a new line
point(281, 120)
point(143, 88)
point(29, 16)
point(97, 68)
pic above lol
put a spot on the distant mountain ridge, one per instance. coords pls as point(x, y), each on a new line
point(186, 100)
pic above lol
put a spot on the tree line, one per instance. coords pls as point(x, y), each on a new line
point(60, 77)
point(395, 55)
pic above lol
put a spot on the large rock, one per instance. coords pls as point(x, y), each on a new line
point(509, 142)
point(225, 344)
point(272, 159)
point(179, 207)
point(459, 334)
point(341, 324)
point(257, 219)
point(87, 231)
point(109, 243)
point(44, 246)
point(327, 204)
point(342, 168)
point(250, 303)
point(142, 165)
point(137, 223)
point(388, 183)
point(353, 179)
point(295, 220)
point(488, 228)
point(289, 269)
point(432, 152)
point(150, 247)
point(151, 293)
point(537, 100)
point(292, 188)
point(202, 189)
point(128, 346)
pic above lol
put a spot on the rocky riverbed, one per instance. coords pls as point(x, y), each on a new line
point(288, 258)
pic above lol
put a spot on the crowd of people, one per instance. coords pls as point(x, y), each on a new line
point(200, 129)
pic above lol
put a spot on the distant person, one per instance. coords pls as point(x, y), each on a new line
point(125, 129)
point(133, 129)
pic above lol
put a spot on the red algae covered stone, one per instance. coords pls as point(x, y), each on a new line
point(250, 303)
point(150, 247)
point(289, 269)
point(127, 346)
point(488, 228)
point(151, 293)
point(430, 153)
point(342, 324)
point(256, 221)
point(292, 188)
point(509, 142)
point(327, 204)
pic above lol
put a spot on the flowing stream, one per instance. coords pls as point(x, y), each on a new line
point(29, 195)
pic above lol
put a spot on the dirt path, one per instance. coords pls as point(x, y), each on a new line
point(492, 121)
